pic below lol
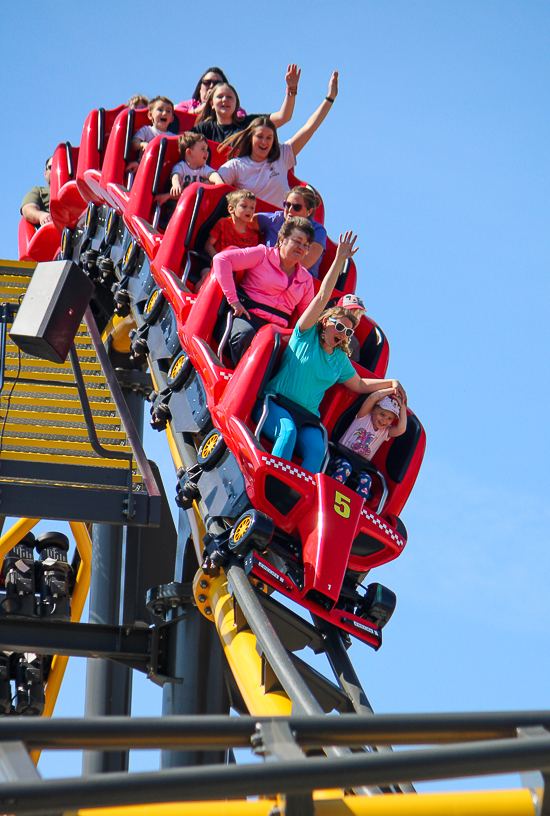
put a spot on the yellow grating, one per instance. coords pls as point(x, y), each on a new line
point(41, 419)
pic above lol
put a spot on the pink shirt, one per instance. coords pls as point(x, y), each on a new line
point(264, 281)
point(362, 438)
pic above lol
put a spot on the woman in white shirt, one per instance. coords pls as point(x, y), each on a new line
point(257, 161)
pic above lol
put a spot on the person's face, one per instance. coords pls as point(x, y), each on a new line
point(381, 418)
point(244, 209)
point(294, 248)
point(224, 102)
point(48, 172)
point(331, 337)
point(295, 206)
point(207, 82)
point(161, 115)
point(197, 155)
point(262, 142)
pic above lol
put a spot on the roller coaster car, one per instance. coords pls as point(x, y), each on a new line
point(66, 202)
point(93, 143)
point(37, 244)
point(338, 535)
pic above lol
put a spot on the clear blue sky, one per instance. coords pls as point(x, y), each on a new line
point(436, 153)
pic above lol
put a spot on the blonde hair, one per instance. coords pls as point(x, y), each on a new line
point(235, 196)
point(338, 311)
point(138, 101)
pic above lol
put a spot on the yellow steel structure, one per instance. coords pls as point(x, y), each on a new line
point(483, 803)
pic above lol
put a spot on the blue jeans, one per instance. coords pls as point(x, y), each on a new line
point(279, 428)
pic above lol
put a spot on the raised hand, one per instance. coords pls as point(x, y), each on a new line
point(333, 86)
point(292, 76)
point(345, 248)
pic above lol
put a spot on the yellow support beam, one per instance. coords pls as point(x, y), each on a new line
point(482, 803)
point(239, 647)
point(78, 601)
point(14, 536)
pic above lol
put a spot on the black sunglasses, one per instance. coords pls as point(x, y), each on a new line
point(288, 205)
point(340, 327)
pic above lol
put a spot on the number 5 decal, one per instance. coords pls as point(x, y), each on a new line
point(341, 504)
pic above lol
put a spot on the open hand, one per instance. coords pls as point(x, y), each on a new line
point(333, 86)
point(292, 76)
point(345, 248)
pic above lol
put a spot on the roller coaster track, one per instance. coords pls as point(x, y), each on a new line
point(49, 468)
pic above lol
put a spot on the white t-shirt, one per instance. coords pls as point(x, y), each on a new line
point(189, 175)
point(361, 437)
point(267, 180)
point(148, 132)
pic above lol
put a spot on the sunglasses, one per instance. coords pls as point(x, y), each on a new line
point(48, 167)
point(209, 81)
point(295, 207)
point(340, 327)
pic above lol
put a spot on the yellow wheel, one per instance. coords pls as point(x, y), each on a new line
point(178, 372)
point(252, 530)
point(154, 305)
point(242, 528)
point(211, 450)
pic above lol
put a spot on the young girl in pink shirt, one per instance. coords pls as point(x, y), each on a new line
point(371, 427)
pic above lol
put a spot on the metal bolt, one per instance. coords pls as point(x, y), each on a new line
point(202, 598)
point(207, 610)
point(203, 584)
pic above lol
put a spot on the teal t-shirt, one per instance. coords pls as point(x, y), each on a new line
point(307, 370)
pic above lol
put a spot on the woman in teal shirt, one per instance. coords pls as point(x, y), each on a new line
point(317, 357)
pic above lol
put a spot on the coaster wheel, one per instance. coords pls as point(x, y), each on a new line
point(111, 228)
point(90, 223)
point(179, 371)
point(211, 450)
point(130, 257)
point(252, 529)
point(154, 305)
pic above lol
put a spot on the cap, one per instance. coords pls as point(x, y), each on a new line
point(390, 404)
point(351, 302)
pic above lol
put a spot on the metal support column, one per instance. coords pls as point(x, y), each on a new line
point(108, 684)
point(199, 659)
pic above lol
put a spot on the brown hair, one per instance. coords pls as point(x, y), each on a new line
point(338, 311)
point(197, 92)
point(208, 111)
point(235, 196)
point(156, 99)
point(240, 144)
point(311, 199)
point(137, 101)
point(187, 140)
point(302, 224)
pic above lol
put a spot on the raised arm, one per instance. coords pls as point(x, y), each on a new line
point(366, 385)
point(284, 115)
point(373, 398)
point(401, 427)
point(317, 306)
point(306, 132)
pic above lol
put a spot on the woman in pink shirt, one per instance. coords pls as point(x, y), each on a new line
point(274, 283)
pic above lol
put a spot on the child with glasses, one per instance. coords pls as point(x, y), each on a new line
point(315, 359)
point(372, 426)
point(302, 202)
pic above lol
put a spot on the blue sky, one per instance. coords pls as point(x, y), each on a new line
point(436, 153)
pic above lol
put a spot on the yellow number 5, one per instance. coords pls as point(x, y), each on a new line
point(341, 504)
